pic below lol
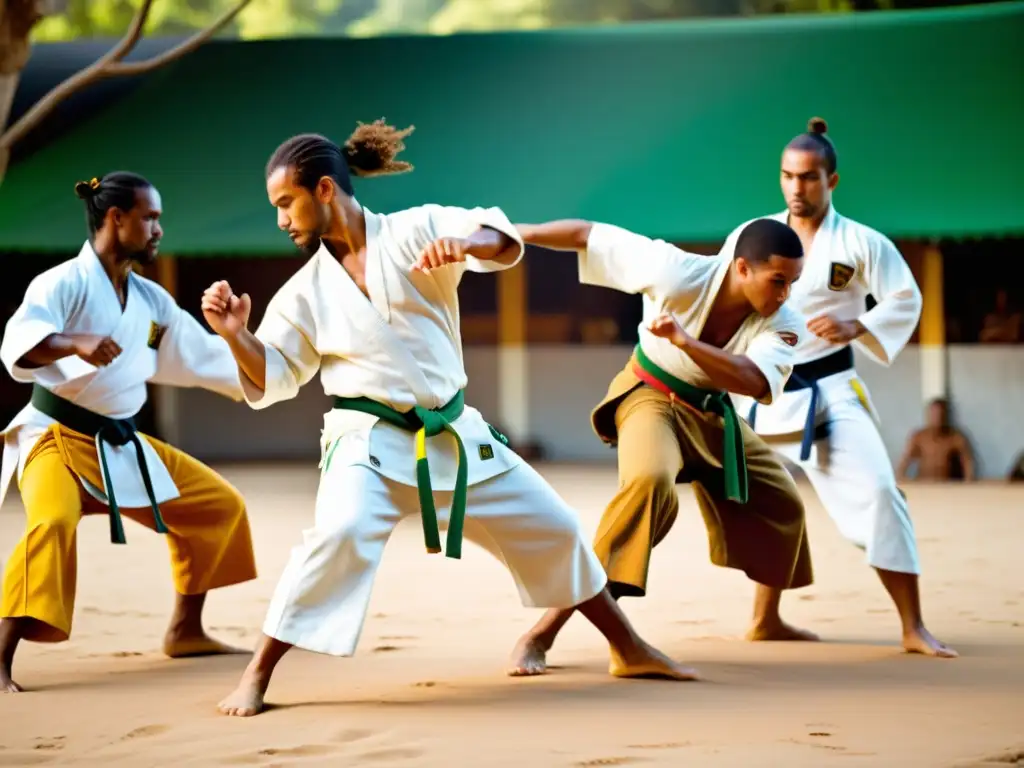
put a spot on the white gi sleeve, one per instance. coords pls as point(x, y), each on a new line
point(188, 355)
point(43, 312)
point(451, 221)
point(625, 261)
point(891, 322)
point(288, 333)
point(772, 350)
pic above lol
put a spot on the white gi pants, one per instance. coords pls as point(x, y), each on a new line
point(320, 603)
point(853, 477)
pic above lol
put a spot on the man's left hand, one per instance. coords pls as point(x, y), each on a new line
point(835, 331)
point(441, 252)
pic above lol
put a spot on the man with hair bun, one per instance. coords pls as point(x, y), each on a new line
point(376, 311)
point(824, 421)
point(89, 335)
point(711, 326)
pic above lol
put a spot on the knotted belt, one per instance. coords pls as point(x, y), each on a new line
point(429, 423)
point(807, 376)
point(734, 460)
point(105, 430)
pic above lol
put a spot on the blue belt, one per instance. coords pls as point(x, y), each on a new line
point(806, 376)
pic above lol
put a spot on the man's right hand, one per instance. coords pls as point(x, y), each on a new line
point(96, 350)
point(227, 314)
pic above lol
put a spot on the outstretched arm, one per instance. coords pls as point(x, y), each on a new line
point(562, 235)
point(278, 359)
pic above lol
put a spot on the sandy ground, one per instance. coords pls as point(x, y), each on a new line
point(427, 686)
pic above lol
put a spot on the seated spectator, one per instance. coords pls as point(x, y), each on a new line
point(1001, 326)
point(940, 451)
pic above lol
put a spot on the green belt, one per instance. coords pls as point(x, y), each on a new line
point(426, 423)
point(734, 460)
point(116, 432)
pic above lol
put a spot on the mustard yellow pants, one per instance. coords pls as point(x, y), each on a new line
point(209, 538)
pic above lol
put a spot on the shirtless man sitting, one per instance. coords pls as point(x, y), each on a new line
point(940, 450)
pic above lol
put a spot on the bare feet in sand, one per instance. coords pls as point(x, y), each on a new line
point(779, 631)
point(649, 662)
point(247, 699)
point(528, 659)
point(7, 685)
point(923, 641)
point(179, 646)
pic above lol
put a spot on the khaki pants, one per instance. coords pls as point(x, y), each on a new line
point(661, 443)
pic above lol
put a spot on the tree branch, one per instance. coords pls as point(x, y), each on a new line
point(141, 67)
point(92, 73)
point(110, 65)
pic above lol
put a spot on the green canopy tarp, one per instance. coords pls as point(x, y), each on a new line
point(670, 129)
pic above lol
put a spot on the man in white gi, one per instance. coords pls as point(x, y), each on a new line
point(824, 421)
point(89, 334)
point(376, 311)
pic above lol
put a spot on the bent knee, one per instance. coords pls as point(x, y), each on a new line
point(658, 483)
point(53, 518)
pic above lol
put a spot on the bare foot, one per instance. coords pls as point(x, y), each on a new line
point(923, 641)
point(649, 662)
point(181, 646)
point(528, 659)
point(247, 699)
point(779, 631)
point(7, 685)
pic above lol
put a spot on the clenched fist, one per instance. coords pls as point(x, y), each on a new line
point(96, 350)
point(835, 331)
point(227, 314)
point(441, 252)
point(666, 327)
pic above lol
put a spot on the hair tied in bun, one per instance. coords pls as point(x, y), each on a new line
point(817, 125)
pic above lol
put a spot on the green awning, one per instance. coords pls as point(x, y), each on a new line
point(670, 129)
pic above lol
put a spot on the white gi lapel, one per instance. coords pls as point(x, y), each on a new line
point(368, 315)
point(133, 331)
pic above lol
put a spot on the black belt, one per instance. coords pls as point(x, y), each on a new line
point(807, 376)
point(104, 429)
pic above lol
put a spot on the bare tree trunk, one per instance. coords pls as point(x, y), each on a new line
point(17, 17)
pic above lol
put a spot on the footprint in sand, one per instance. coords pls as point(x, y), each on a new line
point(386, 648)
point(1013, 757)
point(389, 753)
point(597, 761)
point(272, 754)
point(54, 743)
point(350, 735)
point(26, 758)
point(424, 684)
point(666, 745)
point(145, 732)
point(398, 637)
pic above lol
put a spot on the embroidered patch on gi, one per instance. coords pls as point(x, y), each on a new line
point(839, 276)
point(486, 452)
point(375, 461)
point(788, 337)
point(156, 333)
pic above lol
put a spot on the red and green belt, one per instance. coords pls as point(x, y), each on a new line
point(734, 460)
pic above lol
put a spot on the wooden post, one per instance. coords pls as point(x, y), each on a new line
point(165, 399)
point(934, 373)
point(513, 365)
